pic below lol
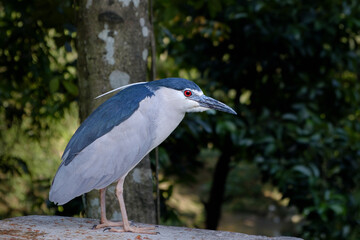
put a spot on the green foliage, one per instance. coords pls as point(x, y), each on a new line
point(290, 70)
point(26, 177)
point(38, 84)
point(315, 164)
point(36, 64)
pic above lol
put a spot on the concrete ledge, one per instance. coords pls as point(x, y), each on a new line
point(56, 227)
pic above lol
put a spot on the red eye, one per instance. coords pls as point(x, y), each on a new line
point(187, 93)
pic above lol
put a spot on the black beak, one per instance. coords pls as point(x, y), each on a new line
point(208, 102)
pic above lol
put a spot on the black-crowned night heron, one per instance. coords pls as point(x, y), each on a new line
point(119, 133)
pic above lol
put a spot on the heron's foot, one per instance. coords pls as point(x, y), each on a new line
point(143, 230)
point(107, 224)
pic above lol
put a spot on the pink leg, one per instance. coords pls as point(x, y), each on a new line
point(103, 220)
point(127, 227)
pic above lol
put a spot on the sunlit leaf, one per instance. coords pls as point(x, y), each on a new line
point(71, 87)
point(54, 85)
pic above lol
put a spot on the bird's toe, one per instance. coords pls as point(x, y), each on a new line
point(142, 230)
point(107, 224)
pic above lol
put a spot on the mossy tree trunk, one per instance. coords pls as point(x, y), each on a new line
point(112, 43)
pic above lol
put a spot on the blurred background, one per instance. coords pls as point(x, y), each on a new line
point(287, 165)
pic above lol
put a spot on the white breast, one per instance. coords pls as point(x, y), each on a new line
point(113, 155)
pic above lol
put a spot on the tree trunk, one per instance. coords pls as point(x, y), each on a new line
point(112, 43)
point(217, 192)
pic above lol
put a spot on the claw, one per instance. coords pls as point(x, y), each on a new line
point(94, 227)
point(107, 229)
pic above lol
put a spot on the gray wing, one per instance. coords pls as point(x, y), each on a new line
point(95, 162)
point(104, 161)
point(108, 115)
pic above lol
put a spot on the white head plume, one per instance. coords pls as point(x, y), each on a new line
point(119, 89)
